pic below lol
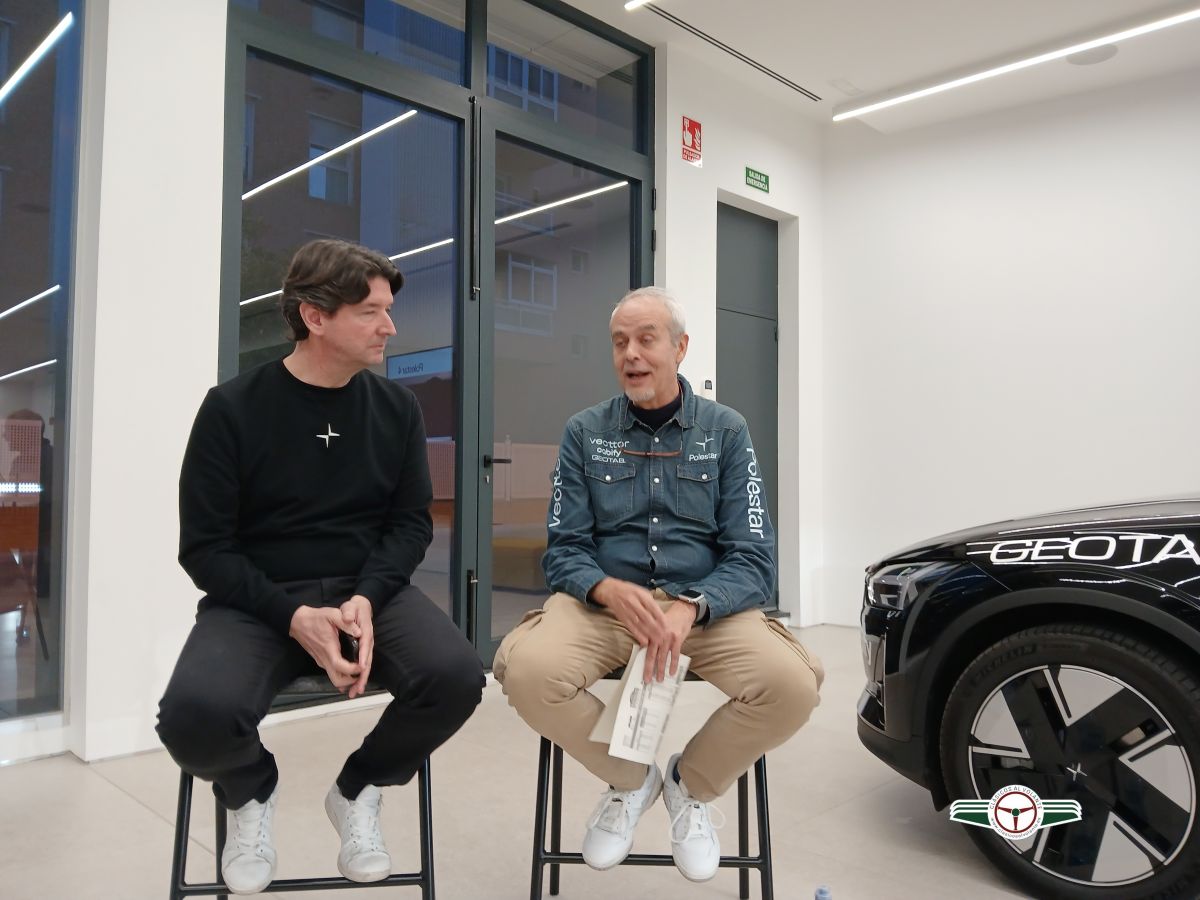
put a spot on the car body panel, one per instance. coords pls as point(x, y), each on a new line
point(1135, 565)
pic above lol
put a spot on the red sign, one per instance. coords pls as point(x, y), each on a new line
point(691, 142)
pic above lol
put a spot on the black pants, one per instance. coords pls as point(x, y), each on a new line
point(233, 664)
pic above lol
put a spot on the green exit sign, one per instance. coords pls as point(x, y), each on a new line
point(759, 180)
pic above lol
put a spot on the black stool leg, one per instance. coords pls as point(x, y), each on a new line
point(764, 828)
point(555, 815)
point(539, 820)
point(744, 834)
point(220, 822)
point(183, 814)
point(426, 832)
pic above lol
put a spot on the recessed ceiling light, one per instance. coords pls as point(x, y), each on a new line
point(1125, 34)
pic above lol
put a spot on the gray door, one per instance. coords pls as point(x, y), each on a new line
point(747, 332)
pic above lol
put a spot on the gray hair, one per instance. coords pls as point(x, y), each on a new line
point(667, 299)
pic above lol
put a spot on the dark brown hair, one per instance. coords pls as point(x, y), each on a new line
point(329, 274)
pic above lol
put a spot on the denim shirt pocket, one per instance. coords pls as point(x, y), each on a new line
point(697, 485)
point(611, 488)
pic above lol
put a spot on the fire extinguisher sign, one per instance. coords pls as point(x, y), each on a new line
point(691, 142)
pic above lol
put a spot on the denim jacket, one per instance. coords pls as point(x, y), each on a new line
point(694, 519)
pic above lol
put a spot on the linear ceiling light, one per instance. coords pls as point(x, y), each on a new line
point(397, 256)
point(33, 299)
point(422, 249)
point(40, 365)
point(538, 209)
point(34, 58)
point(634, 4)
point(1149, 27)
point(443, 243)
point(324, 156)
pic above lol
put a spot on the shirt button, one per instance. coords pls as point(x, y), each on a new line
point(655, 520)
point(704, 477)
point(608, 478)
point(656, 481)
point(654, 547)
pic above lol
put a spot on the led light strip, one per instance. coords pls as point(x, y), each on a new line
point(366, 135)
point(397, 256)
point(34, 299)
point(1023, 64)
point(500, 221)
point(40, 365)
point(538, 209)
point(34, 58)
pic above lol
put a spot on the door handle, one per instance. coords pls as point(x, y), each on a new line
point(489, 460)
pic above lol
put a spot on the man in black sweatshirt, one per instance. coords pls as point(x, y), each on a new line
point(303, 512)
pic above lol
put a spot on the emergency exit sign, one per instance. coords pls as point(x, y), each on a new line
point(758, 180)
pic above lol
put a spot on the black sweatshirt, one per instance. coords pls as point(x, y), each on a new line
point(284, 481)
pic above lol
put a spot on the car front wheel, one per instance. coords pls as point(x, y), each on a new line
point(1082, 713)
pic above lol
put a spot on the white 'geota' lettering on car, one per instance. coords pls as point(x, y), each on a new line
point(754, 504)
point(556, 495)
point(1127, 550)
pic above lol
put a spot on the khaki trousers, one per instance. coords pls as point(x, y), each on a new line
point(547, 663)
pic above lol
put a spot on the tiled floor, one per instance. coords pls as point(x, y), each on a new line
point(70, 831)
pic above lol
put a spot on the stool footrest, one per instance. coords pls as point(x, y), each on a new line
point(280, 885)
point(654, 859)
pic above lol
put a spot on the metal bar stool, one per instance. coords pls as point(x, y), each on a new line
point(549, 800)
point(310, 690)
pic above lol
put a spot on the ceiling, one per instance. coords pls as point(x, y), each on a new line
point(881, 47)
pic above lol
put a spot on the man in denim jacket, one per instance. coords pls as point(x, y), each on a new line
point(659, 536)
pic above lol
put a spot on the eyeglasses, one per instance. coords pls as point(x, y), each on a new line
point(651, 454)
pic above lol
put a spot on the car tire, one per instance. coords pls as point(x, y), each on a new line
point(1114, 723)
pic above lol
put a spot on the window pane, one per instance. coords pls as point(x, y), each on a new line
point(397, 192)
point(551, 344)
point(426, 35)
point(574, 77)
point(37, 165)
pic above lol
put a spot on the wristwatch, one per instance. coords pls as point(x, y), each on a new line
point(697, 600)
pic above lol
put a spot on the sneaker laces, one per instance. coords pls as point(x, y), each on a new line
point(362, 824)
point(612, 814)
point(697, 817)
point(250, 828)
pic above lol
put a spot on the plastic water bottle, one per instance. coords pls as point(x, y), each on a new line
point(823, 893)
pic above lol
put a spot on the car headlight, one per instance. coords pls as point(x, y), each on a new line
point(896, 587)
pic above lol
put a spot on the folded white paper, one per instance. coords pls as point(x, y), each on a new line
point(633, 722)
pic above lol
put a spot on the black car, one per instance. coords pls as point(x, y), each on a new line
point(1060, 653)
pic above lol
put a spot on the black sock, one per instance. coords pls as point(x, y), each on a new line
point(675, 772)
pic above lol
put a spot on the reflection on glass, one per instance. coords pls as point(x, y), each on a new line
point(557, 71)
point(560, 267)
point(38, 65)
point(329, 159)
point(426, 35)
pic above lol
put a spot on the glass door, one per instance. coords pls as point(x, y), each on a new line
point(496, 150)
point(560, 259)
point(324, 157)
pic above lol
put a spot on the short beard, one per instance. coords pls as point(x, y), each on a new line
point(640, 395)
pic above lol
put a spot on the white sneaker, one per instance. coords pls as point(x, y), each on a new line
point(248, 860)
point(694, 843)
point(609, 834)
point(363, 856)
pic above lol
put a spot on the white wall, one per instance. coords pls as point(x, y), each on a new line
point(1010, 318)
point(148, 261)
point(743, 126)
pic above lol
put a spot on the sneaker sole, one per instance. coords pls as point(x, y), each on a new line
point(364, 879)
